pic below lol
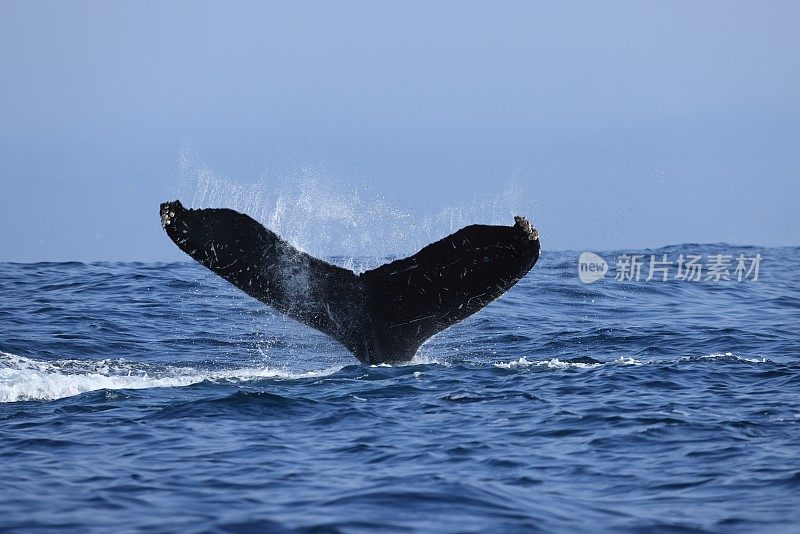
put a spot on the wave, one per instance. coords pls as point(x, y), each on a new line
point(27, 379)
point(553, 363)
point(590, 363)
point(728, 356)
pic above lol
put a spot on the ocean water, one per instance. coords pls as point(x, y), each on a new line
point(157, 397)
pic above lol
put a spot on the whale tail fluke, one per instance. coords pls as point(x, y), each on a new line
point(381, 315)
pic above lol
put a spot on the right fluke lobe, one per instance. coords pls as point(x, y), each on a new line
point(382, 315)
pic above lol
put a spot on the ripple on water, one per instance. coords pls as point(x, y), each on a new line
point(136, 396)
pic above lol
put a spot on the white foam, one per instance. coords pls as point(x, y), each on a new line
point(554, 363)
point(26, 379)
point(626, 360)
point(717, 355)
point(428, 359)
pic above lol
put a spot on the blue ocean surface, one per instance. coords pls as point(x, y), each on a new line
point(157, 397)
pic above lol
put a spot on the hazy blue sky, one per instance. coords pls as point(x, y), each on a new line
point(610, 124)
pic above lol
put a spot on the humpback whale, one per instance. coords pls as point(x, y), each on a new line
point(382, 315)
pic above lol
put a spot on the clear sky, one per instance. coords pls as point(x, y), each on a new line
point(610, 124)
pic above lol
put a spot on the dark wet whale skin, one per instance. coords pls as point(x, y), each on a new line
point(382, 315)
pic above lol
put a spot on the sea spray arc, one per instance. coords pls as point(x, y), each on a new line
point(381, 316)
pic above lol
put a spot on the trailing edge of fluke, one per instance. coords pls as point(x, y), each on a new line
point(381, 316)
